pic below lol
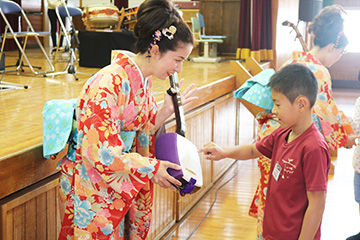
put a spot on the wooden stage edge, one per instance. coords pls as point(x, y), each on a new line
point(21, 160)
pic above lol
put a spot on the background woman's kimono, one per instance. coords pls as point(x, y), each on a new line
point(325, 115)
point(266, 125)
point(107, 183)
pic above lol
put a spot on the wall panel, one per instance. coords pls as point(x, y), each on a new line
point(31, 213)
point(224, 130)
point(199, 132)
point(222, 18)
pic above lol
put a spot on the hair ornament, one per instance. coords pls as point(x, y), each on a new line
point(338, 38)
point(169, 32)
point(156, 37)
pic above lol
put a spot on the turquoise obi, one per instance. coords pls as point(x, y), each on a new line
point(256, 91)
point(58, 118)
point(60, 128)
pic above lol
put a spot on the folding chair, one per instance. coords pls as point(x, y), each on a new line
point(10, 7)
point(210, 44)
point(202, 27)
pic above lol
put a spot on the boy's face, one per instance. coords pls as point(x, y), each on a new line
point(284, 110)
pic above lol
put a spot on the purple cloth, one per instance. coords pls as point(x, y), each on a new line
point(166, 149)
point(189, 188)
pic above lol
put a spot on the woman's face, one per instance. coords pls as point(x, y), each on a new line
point(170, 62)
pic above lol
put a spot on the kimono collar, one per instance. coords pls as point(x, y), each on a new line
point(305, 56)
point(129, 55)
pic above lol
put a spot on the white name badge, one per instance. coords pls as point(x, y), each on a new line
point(277, 170)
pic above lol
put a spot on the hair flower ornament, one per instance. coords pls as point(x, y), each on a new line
point(169, 32)
point(338, 38)
point(156, 37)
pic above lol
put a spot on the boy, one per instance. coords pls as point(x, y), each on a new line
point(300, 158)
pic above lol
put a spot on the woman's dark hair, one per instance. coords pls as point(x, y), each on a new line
point(328, 27)
point(156, 15)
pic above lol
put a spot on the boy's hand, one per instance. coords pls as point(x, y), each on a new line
point(213, 151)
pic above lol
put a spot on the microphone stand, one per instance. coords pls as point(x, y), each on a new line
point(70, 42)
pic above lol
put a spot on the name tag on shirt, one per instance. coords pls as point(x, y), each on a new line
point(277, 170)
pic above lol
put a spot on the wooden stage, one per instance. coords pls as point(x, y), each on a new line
point(20, 110)
point(28, 182)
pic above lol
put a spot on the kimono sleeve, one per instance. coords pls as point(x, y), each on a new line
point(327, 114)
point(147, 148)
point(356, 124)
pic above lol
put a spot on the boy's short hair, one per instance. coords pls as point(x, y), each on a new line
point(295, 80)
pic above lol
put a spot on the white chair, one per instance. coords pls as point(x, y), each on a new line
point(10, 7)
point(210, 44)
point(202, 27)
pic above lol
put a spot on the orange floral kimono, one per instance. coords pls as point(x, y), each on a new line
point(326, 116)
point(109, 178)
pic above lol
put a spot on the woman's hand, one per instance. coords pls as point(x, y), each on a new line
point(168, 107)
point(351, 141)
point(186, 96)
point(163, 178)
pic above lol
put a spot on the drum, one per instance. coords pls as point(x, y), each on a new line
point(100, 16)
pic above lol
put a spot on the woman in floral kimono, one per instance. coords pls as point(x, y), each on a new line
point(117, 116)
point(329, 45)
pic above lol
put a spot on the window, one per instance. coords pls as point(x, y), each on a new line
point(352, 29)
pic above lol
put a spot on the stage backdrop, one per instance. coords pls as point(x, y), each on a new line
point(255, 30)
point(95, 47)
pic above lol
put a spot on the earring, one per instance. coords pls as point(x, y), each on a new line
point(148, 55)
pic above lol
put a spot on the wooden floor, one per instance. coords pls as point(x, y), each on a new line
point(228, 218)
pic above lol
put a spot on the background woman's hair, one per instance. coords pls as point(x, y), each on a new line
point(327, 25)
point(156, 15)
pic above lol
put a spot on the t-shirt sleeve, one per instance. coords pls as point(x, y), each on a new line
point(266, 145)
point(316, 164)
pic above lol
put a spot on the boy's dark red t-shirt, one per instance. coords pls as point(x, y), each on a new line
point(302, 165)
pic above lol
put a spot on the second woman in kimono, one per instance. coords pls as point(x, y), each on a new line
point(329, 44)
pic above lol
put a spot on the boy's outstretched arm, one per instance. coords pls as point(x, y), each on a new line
point(313, 214)
point(242, 152)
